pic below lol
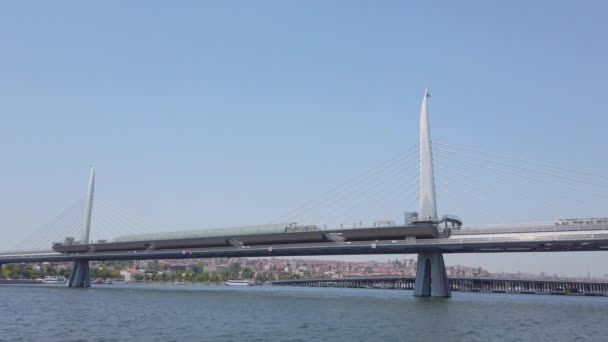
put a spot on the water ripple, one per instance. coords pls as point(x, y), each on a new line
point(217, 313)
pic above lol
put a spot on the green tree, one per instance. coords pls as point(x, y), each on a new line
point(225, 275)
point(247, 273)
point(262, 277)
point(202, 277)
point(10, 271)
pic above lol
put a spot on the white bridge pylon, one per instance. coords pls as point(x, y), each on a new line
point(431, 276)
point(81, 274)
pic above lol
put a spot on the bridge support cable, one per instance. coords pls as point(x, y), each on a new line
point(402, 215)
point(339, 205)
point(391, 183)
point(431, 276)
point(120, 222)
point(107, 225)
point(459, 177)
point(70, 229)
point(379, 194)
point(458, 199)
point(583, 183)
point(474, 164)
point(443, 190)
point(102, 228)
point(506, 191)
point(345, 187)
point(551, 179)
point(541, 205)
point(444, 179)
point(80, 275)
point(49, 231)
point(386, 200)
point(371, 204)
point(520, 160)
point(540, 185)
point(344, 197)
point(43, 238)
point(72, 226)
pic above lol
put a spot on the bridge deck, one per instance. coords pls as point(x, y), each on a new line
point(581, 241)
point(316, 236)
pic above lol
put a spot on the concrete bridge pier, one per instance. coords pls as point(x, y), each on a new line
point(431, 277)
point(80, 275)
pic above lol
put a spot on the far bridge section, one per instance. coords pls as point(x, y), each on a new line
point(462, 284)
point(250, 237)
point(561, 241)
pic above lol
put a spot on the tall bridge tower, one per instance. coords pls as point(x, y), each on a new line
point(431, 277)
point(81, 274)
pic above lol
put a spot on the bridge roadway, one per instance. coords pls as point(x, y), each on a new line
point(521, 242)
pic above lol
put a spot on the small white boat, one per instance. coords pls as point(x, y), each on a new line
point(53, 280)
point(240, 282)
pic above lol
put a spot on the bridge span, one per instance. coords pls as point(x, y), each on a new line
point(424, 233)
point(588, 240)
point(464, 284)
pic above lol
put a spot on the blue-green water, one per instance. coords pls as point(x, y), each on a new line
point(219, 313)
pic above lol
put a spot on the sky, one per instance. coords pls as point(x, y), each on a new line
point(207, 114)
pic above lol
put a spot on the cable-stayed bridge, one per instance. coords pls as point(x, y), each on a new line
point(338, 223)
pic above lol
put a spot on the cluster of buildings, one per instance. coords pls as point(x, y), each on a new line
point(284, 268)
point(259, 269)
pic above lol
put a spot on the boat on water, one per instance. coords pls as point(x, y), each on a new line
point(53, 280)
point(101, 281)
point(240, 282)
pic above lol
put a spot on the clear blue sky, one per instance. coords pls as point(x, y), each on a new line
point(200, 114)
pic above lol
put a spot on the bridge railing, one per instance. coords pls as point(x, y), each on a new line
point(27, 252)
point(534, 227)
point(524, 237)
